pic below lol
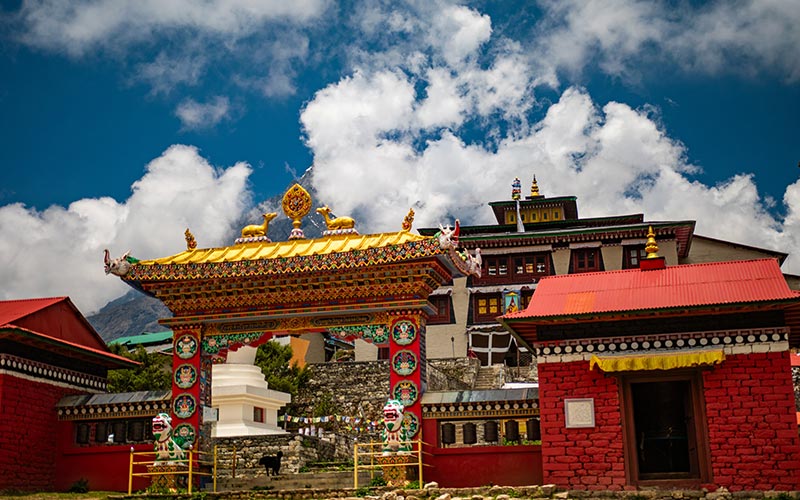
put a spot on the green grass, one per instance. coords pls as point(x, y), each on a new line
point(92, 495)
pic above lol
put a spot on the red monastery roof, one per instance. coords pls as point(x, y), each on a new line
point(55, 325)
point(694, 285)
point(12, 310)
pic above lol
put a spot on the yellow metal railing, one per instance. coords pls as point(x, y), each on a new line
point(375, 449)
point(196, 465)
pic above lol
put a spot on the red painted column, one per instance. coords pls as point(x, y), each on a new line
point(188, 380)
point(408, 365)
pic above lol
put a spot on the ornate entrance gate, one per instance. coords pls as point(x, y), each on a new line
point(374, 287)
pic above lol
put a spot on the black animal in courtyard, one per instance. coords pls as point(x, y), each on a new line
point(272, 463)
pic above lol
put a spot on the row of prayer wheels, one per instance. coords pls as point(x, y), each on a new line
point(490, 431)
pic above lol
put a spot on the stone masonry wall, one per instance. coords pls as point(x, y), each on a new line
point(298, 451)
point(752, 431)
point(452, 374)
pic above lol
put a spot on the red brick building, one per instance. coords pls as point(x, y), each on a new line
point(666, 376)
point(47, 351)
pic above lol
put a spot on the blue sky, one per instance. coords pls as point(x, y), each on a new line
point(123, 123)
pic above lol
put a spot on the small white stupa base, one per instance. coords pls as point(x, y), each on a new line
point(238, 387)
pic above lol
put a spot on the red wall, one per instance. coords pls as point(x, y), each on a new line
point(591, 458)
point(28, 424)
point(104, 467)
point(751, 423)
point(479, 465)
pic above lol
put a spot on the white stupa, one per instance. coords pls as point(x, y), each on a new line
point(247, 407)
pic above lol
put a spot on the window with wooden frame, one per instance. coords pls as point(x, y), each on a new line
point(532, 265)
point(664, 429)
point(585, 260)
point(383, 352)
point(632, 255)
point(497, 266)
point(258, 415)
point(441, 305)
point(487, 307)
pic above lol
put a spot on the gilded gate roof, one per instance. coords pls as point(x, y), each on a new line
point(288, 249)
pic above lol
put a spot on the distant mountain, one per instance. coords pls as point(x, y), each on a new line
point(135, 313)
point(132, 314)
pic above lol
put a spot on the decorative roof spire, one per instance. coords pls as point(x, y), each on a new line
point(651, 247)
point(534, 188)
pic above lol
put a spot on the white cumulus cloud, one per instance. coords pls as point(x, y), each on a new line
point(196, 115)
point(59, 251)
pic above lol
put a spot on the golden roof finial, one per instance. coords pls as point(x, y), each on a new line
point(191, 243)
point(534, 188)
point(408, 220)
point(651, 247)
point(296, 204)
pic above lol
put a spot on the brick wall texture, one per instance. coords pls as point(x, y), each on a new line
point(27, 425)
point(752, 432)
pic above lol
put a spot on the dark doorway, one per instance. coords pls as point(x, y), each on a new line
point(663, 435)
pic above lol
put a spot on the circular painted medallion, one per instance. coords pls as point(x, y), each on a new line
point(406, 392)
point(404, 363)
point(404, 332)
point(184, 406)
point(380, 336)
point(185, 376)
point(185, 346)
point(411, 423)
point(184, 435)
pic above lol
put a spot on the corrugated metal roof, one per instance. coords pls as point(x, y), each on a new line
point(288, 249)
point(447, 397)
point(114, 398)
point(694, 285)
point(12, 310)
point(144, 338)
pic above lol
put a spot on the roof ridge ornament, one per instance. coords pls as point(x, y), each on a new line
point(651, 247)
point(337, 225)
point(534, 188)
point(408, 220)
point(191, 243)
point(296, 204)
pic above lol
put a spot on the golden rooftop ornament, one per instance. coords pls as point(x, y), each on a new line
point(296, 204)
point(534, 188)
point(191, 243)
point(408, 220)
point(651, 247)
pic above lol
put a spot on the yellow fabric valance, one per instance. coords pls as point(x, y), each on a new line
point(656, 361)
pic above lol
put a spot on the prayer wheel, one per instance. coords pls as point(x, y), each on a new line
point(533, 430)
point(120, 432)
point(136, 431)
point(490, 432)
point(512, 430)
point(101, 432)
point(470, 433)
point(82, 434)
point(448, 433)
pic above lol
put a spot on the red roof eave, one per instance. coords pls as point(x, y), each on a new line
point(107, 359)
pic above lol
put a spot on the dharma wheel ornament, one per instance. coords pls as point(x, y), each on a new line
point(296, 205)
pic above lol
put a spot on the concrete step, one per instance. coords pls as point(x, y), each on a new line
point(303, 480)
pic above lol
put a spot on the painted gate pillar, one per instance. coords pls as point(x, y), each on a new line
point(408, 374)
point(191, 385)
